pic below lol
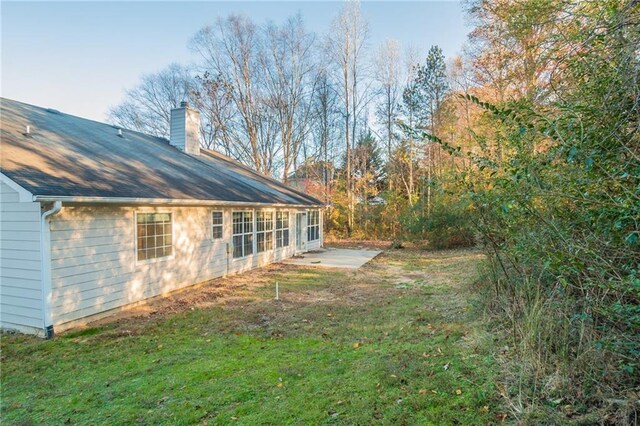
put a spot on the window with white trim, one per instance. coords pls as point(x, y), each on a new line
point(242, 234)
point(282, 229)
point(216, 225)
point(154, 235)
point(264, 231)
point(313, 225)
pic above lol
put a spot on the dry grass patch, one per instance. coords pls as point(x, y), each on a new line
point(340, 347)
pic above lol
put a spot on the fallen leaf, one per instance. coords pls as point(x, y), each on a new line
point(458, 391)
point(279, 385)
point(356, 345)
point(434, 391)
point(422, 391)
point(394, 376)
point(484, 409)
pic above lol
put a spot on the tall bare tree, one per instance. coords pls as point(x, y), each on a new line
point(231, 51)
point(147, 107)
point(290, 76)
point(324, 127)
point(347, 43)
point(387, 73)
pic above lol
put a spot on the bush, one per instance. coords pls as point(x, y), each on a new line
point(449, 224)
point(558, 212)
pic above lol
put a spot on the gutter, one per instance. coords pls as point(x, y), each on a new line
point(162, 201)
point(45, 267)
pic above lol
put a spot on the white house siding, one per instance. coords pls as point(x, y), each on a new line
point(94, 266)
point(20, 263)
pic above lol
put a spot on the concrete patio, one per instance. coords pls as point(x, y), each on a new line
point(334, 258)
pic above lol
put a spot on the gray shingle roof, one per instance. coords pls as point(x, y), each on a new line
point(70, 156)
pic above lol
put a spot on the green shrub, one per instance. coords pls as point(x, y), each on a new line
point(449, 224)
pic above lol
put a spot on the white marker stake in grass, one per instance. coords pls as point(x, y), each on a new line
point(277, 292)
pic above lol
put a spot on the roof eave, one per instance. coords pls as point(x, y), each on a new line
point(162, 201)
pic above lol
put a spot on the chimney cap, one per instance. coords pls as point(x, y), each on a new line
point(184, 104)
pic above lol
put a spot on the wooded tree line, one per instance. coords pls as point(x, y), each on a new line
point(527, 145)
point(542, 126)
point(323, 110)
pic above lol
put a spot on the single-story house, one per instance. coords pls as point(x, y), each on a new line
point(94, 217)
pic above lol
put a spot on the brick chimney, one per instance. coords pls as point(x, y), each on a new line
point(184, 131)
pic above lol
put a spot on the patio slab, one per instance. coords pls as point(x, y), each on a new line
point(334, 258)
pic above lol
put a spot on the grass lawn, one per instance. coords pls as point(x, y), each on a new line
point(393, 343)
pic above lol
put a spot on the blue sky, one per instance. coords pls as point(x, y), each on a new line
point(79, 57)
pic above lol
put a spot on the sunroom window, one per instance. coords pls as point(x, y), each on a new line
point(264, 231)
point(313, 226)
point(242, 234)
point(282, 229)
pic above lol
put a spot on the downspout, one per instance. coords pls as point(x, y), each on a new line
point(45, 257)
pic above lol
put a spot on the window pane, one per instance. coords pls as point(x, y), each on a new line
point(142, 254)
point(217, 232)
point(153, 235)
point(248, 244)
point(216, 218)
point(260, 242)
point(237, 246)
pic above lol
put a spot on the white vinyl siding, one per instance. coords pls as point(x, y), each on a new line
point(20, 263)
point(94, 261)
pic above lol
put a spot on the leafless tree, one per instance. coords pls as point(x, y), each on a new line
point(290, 71)
point(387, 67)
point(147, 107)
point(325, 127)
point(231, 51)
point(347, 46)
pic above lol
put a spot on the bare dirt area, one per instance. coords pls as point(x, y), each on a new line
point(392, 270)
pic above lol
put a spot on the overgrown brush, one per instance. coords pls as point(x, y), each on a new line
point(447, 225)
point(555, 187)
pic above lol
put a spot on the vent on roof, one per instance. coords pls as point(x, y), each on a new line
point(120, 133)
point(53, 111)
